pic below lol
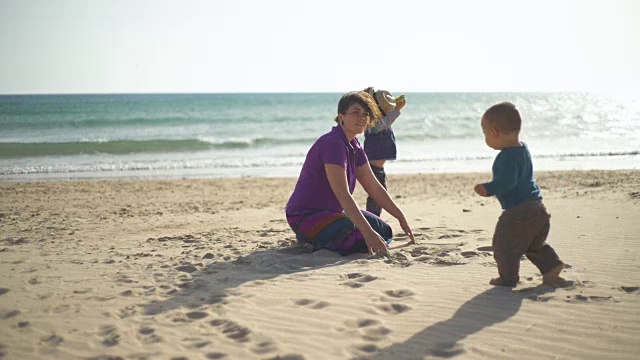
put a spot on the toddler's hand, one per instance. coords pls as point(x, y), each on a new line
point(481, 190)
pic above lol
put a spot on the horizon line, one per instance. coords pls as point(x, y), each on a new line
point(287, 92)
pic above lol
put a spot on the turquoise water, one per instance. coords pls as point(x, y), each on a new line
point(219, 135)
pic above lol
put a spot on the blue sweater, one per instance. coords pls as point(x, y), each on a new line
point(513, 181)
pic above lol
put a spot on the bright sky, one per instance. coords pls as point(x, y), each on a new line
point(100, 46)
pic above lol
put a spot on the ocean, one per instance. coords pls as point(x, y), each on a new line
point(162, 136)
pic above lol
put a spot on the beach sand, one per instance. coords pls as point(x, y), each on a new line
point(209, 269)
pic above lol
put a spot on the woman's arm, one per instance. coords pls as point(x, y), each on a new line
point(337, 177)
point(380, 195)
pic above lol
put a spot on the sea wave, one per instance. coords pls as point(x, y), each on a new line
point(256, 162)
point(557, 155)
point(120, 147)
point(132, 122)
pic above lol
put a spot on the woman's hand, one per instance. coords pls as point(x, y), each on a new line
point(375, 243)
point(400, 104)
point(407, 230)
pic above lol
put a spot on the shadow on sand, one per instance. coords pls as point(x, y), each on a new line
point(444, 339)
point(213, 283)
point(206, 289)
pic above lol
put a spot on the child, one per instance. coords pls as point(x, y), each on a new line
point(523, 226)
point(379, 141)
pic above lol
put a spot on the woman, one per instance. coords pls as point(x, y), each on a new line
point(322, 211)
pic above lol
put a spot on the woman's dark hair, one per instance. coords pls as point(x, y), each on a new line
point(365, 100)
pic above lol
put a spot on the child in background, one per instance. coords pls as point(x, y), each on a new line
point(379, 141)
point(523, 226)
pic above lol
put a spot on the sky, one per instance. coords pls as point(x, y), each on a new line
point(186, 46)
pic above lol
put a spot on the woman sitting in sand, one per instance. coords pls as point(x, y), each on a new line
point(322, 211)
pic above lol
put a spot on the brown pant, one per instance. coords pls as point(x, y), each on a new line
point(523, 230)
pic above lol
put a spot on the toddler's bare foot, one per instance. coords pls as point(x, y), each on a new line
point(552, 277)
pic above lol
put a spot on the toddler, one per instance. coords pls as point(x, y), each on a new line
point(523, 226)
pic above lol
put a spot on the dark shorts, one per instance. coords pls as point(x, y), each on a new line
point(523, 230)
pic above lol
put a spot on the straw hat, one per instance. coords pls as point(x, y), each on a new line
point(386, 102)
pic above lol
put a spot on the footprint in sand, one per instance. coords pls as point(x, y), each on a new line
point(197, 315)
point(126, 312)
point(630, 289)
point(125, 280)
point(53, 340)
point(444, 262)
point(110, 336)
point(360, 323)
point(242, 334)
point(358, 280)
point(394, 308)
point(445, 349)
point(9, 314)
point(60, 309)
point(313, 304)
point(469, 254)
point(423, 250)
point(148, 335)
point(198, 344)
point(264, 347)
point(369, 329)
point(187, 268)
point(352, 275)
point(3, 291)
point(364, 349)
point(585, 299)
point(216, 355)
point(215, 299)
point(288, 357)
point(540, 298)
point(146, 330)
point(83, 291)
point(448, 236)
point(232, 330)
point(126, 293)
point(398, 294)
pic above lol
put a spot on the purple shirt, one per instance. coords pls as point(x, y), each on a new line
point(312, 191)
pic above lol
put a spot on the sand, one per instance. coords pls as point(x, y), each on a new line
point(208, 269)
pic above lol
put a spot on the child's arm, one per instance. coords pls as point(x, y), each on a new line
point(481, 190)
point(505, 177)
point(386, 121)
